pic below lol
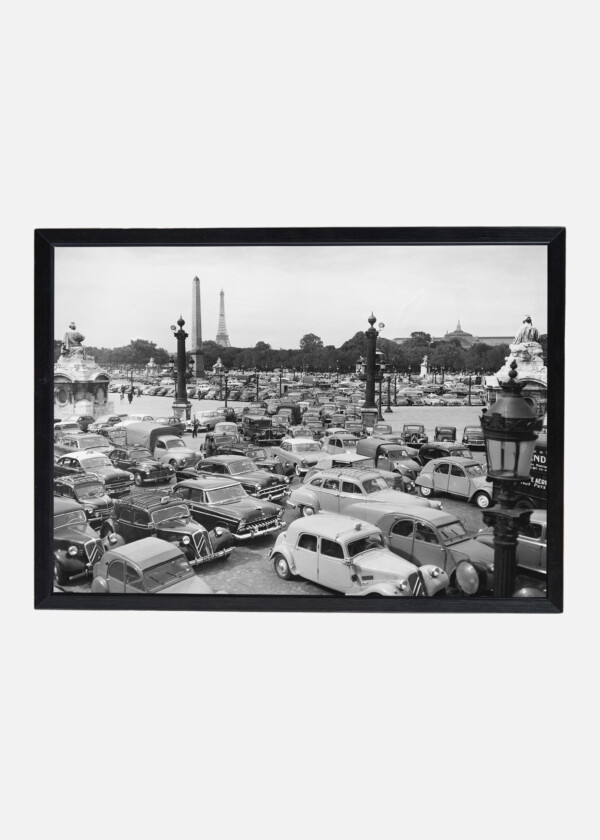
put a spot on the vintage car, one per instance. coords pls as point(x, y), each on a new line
point(147, 567)
point(170, 449)
point(327, 412)
point(257, 483)
point(105, 421)
point(139, 461)
point(343, 442)
point(261, 457)
point(299, 453)
point(165, 517)
point(89, 492)
point(380, 429)
point(64, 428)
point(359, 492)
point(76, 546)
point(134, 418)
point(83, 421)
point(354, 427)
point(439, 449)
point(227, 427)
point(218, 501)
point(433, 536)
point(299, 432)
point(452, 400)
point(445, 433)
point(351, 459)
point(176, 426)
point(115, 481)
point(207, 420)
point(78, 443)
point(473, 437)
point(475, 576)
point(259, 430)
point(333, 430)
point(461, 477)
point(431, 399)
point(413, 433)
point(392, 457)
point(350, 556)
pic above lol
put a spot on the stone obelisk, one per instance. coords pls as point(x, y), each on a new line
point(196, 350)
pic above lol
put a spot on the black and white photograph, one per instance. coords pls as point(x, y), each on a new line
point(335, 420)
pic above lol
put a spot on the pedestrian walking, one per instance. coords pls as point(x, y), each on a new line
point(195, 425)
point(130, 396)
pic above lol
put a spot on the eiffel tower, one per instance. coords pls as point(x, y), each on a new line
point(222, 337)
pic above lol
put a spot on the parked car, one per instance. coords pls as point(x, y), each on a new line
point(175, 424)
point(105, 421)
point(361, 493)
point(392, 457)
point(451, 400)
point(256, 482)
point(257, 429)
point(115, 481)
point(413, 433)
point(473, 437)
point(168, 518)
point(298, 453)
point(77, 547)
point(348, 459)
point(299, 432)
point(217, 501)
point(342, 442)
point(88, 491)
point(432, 400)
point(147, 567)
point(426, 536)
point(262, 460)
point(139, 461)
point(134, 418)
point(475, 575)
point(164, 446)
point(437, 449)
point(81, 442)
point(350, 556)
point(445, 433)
point(83, 421)
point(226, 427)
point(207, 420)
point(462, 477)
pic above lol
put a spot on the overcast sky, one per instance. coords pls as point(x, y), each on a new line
point(277, 294)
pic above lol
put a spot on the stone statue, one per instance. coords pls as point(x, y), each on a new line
point(528, 333)
point(425, 360)
point(72, 342)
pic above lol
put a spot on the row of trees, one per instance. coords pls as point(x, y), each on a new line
point(313, 355)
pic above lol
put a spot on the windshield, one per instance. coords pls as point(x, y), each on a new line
point(171, 512)
point(452, 531)
point(475, 469)
point(94, 463)
point(306, 447)
point(164, 574)
point(257, 454)
point(72, 518)
point(372, 485)
point(350, 442)
point(226, 494)
point(357, 547)
point(395, 454)
point(239, 467)
point(174, 444)
point(89, 491)
point(413, 428)
point(140, 455)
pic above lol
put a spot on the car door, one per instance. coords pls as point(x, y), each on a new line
point(115, 577)
point(134, 582)
point(401, 537)
point(333, 571)
point(305, 557)
point(441, 476)
point(458, 483)
point(160, 451)
point(531, 551)
point(427, 547)
point(329, 495)
point(124, 525)
point(350, 492)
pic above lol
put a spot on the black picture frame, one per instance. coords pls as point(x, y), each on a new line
point(45, 243)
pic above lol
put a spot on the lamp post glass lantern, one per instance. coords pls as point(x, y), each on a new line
point(509, 429)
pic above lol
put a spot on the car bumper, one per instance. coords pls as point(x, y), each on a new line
point(259, 529)
point(273, 494)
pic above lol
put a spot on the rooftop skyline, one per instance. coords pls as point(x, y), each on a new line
point(278, 294)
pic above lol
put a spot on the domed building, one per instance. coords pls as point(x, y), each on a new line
point(465, 339)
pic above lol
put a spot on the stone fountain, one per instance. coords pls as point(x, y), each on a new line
point(527, 352)
point(80, 385)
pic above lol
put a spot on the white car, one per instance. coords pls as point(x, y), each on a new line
point(133, 418)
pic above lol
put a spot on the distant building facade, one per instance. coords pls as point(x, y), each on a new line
point(467, 340)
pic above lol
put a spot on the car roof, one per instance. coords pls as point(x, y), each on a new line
point(147, 552)
point(208, 481)
point(433, 515)
point(350, 472)
point(84, 454)
point(148, 500)
point(76, 480)
point(332, 525)
point(64, 505)
point(454, 459)
point(224, 459)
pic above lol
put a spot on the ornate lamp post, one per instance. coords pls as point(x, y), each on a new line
point(280, 379)
point(257, 383)
point(509, 428)
point(219, 369)
point(181, 405)
point(409, 372)
point(395, 388)
point(366, 370)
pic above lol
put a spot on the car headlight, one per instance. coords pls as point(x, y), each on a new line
point(242, 523)
point(468, 578)
point(112, 539)
point(257, 487)
point(304, 462)
point(435, 573)
point(89, 511)
point(219, 532)
point(169, 468)
point(401, 585)
point(72, 551)
point(280, 514)
point(131, 475)
point(185, 541)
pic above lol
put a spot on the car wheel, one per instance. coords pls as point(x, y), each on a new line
point(137, 478)
point(425, 491)
point(282, 567)
point(524, 504)
point(60, 577)
point(482, 500)
point(297, 469)
point(307, 510)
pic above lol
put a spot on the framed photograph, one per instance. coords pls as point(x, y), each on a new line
point(361, 420)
